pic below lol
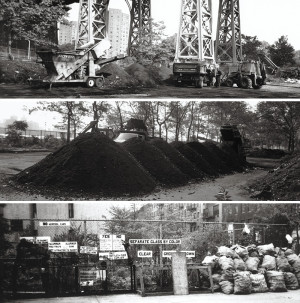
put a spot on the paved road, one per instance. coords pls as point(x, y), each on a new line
point(287, 297)
point(164, 91)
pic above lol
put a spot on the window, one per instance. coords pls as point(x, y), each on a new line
point(71, 210)
point(16, 225)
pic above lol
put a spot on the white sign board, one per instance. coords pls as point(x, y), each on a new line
point(52, 223)
point(112, 242)
point(37, 240)
point(88, 250)
point(155, 241)
point(168, 253)
point(113, 255)
point(144, 254)
point(63, 246)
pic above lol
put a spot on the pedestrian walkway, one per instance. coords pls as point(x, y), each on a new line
point(287, 297)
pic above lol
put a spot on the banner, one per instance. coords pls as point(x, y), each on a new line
point(63, 246)
point(112, 242)
point(168, 253)
point(52, 223)
point(88, 250)
point(144, 254)
point(155, 241)
point(113, 256)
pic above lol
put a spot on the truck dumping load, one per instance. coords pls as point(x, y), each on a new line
point(186, 166)
point(155, 162)
point(211, 157)
point(92, 163)
point(282, 183)
point(195, 158)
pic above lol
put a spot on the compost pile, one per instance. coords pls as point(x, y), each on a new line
point(186, 166)
point(90, 163)
point(266, 153)
point(254, 269)
point(145, 76)
point(210, 156)
point(155, 162)
point(117, 75)
point(195, 158)
point(282, 183)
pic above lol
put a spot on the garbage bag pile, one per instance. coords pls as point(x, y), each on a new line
point(254, 269)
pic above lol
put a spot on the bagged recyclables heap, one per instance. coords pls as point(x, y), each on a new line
point(245, 270)
point(93, 163)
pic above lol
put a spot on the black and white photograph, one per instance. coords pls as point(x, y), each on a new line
point(139, 252)
point(149, 49)
point(150, 150)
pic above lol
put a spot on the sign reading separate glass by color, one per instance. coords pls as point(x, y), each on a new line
point(53, 223)
point(155, 241)
point(63, 246)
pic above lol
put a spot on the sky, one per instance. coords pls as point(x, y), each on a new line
point(18, 110)
point(266, 19)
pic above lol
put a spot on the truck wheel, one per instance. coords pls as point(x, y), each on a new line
point(99, 82)
point(229, 83)
point(90, 82)
point(246, 82)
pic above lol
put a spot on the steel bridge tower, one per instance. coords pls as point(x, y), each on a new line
point(194, 41)
point(228, 42)
point(140, 26)
point(92, 26)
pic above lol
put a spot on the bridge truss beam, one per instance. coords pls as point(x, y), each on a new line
point(194, 41)
point(92, 26)
point(140, 26)
point(228, 43)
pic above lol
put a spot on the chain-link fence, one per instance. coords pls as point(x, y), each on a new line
point(18, 53)
point(59, 257)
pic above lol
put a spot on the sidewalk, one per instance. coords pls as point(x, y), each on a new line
point(290, 296)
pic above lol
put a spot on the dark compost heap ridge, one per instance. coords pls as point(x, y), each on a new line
point(155, 162)
point(210, 156)
point(186, 166)
point(195, 158)
point(226, 154)
point(92, 162)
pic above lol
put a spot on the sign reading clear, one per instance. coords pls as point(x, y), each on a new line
point(144, 254)
point(155, 241)
point(112, 242)
point(113, 255)
point(63, 246)
point(52, 223)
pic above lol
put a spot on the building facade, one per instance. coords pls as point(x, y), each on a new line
point(118, 31)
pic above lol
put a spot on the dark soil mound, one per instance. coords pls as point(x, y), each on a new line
point(283, 182)
point(210, 156)
point(186, 166)
point(117, 75)
point(266, 153)
point(195, 158)
point(154, 161)
point(143, 75)
point(92, 163)
point(227, 155)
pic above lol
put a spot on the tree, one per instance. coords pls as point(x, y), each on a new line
point(281, 52)
point(283, 117)
point(252, 47)
point(30, 20)
point(14, 132)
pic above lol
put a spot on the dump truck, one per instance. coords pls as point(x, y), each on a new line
point(195, 73)
point(231, 136)
point(78, 66)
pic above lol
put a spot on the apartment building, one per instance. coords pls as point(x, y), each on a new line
point(118, 31)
